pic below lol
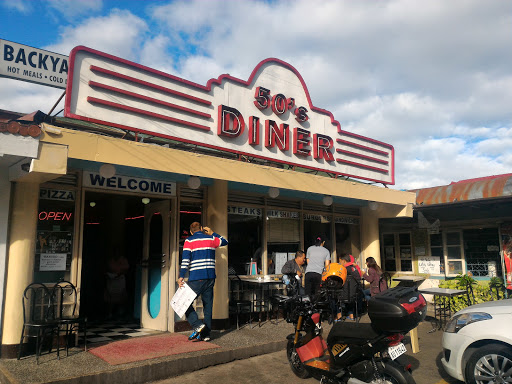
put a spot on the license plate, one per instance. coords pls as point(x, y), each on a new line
point(396, 350)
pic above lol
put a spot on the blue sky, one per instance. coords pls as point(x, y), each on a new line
point(432, 78)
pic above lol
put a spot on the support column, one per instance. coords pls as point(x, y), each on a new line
point(20, 264)
point(370, 242)
point(5, 191)
point(217, 220)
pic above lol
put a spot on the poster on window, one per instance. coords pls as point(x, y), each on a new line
point(52, 262)
point(429, 264)
point(506, 246)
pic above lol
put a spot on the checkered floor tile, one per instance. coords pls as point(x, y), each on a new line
point(115, 330)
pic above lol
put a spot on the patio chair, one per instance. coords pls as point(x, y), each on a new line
point(64, 296)
point(240, 306)
point(38, 318)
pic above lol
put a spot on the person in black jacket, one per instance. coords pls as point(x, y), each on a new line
point(350, 291)
point(293, 269)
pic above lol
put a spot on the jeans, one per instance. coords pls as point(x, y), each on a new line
point(204, 288)
point(367, 294)
point(312, 283)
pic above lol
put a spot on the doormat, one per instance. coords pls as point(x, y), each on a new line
point(148, 347)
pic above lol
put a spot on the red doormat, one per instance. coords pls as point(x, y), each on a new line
point(148, 347)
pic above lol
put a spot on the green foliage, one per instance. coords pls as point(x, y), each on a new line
point(481, 290)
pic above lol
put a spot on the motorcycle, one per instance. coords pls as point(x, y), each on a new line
point(355, 353)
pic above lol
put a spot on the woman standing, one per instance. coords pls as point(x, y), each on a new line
point(372, 275)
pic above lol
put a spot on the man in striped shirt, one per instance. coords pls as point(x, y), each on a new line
point(199, 259)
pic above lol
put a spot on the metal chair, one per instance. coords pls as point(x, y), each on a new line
point(38, 318)
point(64, 296)
point(239, 304)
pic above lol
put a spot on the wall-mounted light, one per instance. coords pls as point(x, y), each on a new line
point(194, 182)
point(273, 192)
point(107, 171)
point(92, 204)
point(327, 200)
point(145, 200)
point(373, 205)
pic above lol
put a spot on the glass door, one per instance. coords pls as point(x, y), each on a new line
point(155, 266)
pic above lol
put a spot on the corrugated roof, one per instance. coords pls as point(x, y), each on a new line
point(471, 189)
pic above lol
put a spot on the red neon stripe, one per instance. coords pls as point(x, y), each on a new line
point(150, 99)
point(139, 111)
point(362, 165)
point(369, 158)
point(148, 84)
point(349, 143)
point(134, 218)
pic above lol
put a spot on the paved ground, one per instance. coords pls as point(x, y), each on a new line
point(274, 368)
point(248, 355)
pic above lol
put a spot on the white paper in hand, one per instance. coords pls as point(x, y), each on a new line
point(182, 299)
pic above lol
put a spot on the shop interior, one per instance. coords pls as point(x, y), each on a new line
point(111, 256)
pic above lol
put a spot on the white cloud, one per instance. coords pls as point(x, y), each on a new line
point(22, 6)
point(72, 9)
point(120, 33)
point(433, 79)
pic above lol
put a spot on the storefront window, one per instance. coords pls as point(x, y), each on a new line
point(448, 247)
point(388, 242)
point(54, 235)
point(436, 250)
point(347, 236)
point(244, 236)
point(314, 226)
point(404, 240)
point(283, 233)
point(453, 253)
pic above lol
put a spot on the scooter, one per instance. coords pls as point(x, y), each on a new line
point(355, 353)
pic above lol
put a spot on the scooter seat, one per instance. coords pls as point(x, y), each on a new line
point(351, 333)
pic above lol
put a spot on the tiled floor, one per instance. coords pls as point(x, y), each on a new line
point(113, 330)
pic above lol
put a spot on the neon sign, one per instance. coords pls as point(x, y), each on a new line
point(55, 216)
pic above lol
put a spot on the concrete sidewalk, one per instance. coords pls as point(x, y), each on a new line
point(84, 368)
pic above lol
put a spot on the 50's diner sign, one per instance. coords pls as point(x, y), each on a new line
point(269, 116)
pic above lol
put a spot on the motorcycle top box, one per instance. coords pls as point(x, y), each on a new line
point(398, 309)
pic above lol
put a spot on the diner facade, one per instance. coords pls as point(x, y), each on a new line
point(140, 155)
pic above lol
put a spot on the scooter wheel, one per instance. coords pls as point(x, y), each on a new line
point(392, 373)
point(298, 368)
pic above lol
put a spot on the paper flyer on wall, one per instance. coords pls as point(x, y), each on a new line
point(182, 299)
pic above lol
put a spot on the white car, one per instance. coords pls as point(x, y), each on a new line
point(477, 343)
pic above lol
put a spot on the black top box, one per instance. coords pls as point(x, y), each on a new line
point(397, 310)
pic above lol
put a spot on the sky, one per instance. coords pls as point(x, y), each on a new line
point(432, 78)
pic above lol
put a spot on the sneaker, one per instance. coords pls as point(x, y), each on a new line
point(197, 332)
point(202, 338)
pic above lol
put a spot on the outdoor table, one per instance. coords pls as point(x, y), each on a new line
point(265, 286)
point(443, 309)
point(409, 281)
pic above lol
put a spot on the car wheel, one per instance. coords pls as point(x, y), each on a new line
point(490, 364)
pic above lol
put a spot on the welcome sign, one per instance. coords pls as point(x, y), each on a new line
point(269, 116)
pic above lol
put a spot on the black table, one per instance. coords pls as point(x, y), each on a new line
point(265, 285)
point(443, 308)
